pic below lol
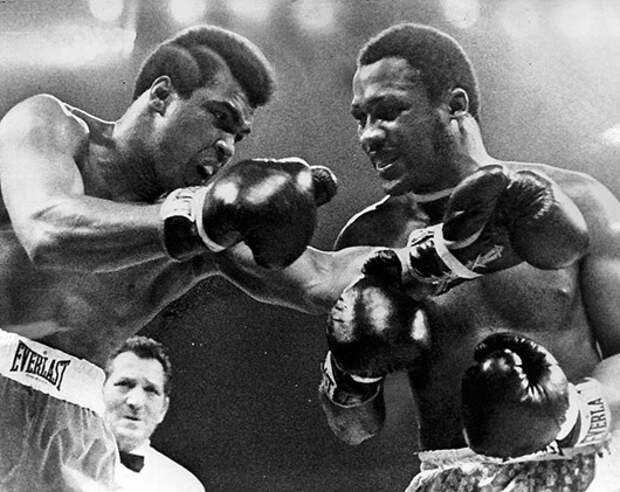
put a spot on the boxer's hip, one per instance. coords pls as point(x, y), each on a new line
point(52, 433)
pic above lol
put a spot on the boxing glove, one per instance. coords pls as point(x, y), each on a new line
point(516, 400)
point(374, 328)
point(495, 219)
point(270, 204)
point(355, 409)
point(345, 389)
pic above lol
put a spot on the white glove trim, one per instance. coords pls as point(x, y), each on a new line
point(188, 203)
point(331, 386)
point(448, 258)
point(593, 412)
point(361, 379)
point(197, 206)
point(178, 204)
point(572, 414)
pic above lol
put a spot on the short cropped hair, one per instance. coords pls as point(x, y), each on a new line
point(440, 60)
point(145, 348)
point(192, 57)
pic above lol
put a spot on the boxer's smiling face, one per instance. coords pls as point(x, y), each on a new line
point(196, 135)
point(135, 402)
point(398, 127)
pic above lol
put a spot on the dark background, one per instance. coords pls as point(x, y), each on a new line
point(244, 414)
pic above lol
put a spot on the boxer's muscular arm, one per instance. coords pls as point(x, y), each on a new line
point(58, 225)
point(600, 285)
point(311, 284)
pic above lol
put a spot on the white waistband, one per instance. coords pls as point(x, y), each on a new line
point(51, 371)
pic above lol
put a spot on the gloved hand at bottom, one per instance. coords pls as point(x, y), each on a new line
point(517, 400)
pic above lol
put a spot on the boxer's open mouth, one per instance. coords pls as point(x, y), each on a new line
point(383, 165)
point(382, 160)
point(206, 171)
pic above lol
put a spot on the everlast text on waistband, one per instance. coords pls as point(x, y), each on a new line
point(28, 361)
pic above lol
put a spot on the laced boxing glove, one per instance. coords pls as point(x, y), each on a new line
point(354, 408)
point(516, 400)
point(270, 204)
point(494, 220)
point(373, 329)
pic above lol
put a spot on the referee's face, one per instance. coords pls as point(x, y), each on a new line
point(134, 398)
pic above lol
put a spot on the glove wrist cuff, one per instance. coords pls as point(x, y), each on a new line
point(590, 415)
point(197, 205)
point(454, 265)
point(575, 404)
point(183, 233)
point(450, 270)
point(345, 390)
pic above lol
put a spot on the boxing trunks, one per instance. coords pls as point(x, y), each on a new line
point(586, 468)
point(52, 434)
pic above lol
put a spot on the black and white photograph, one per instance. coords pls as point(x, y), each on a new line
point(309, 246)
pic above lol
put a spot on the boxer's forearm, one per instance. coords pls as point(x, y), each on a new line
point(311, 284)
point(91, 234)
point(354, 425)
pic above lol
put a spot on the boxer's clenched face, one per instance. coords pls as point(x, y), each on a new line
point(398, 127)
point(195, 136)
point(134, 399)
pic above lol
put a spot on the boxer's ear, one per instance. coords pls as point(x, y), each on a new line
point(159, 93)
point(164, 409)
point(458, 103)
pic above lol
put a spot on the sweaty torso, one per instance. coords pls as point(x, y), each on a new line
point(544, 305)
point(84, 314)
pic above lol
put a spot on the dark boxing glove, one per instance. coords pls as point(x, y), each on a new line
point(516, 400)
point(494, 220)
point(373, 329)
point(270, 204)
point(344, 389)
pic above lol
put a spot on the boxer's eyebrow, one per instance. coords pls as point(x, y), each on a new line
point(233, 121)
point(393, 99)
point(241, 125)
point(381, 101)
point(365, 105)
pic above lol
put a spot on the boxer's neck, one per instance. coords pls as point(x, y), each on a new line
point(130, 160)
point(434, 209)
point(466, 160)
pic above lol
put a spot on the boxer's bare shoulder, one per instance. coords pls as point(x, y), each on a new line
point(42, 116)
point(38, 136)
point(586, 191)
point(595, 201)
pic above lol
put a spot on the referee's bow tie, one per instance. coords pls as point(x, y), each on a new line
point(134, 462)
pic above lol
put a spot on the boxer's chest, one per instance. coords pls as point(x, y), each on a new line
point(544, 304)
point(520, 298)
